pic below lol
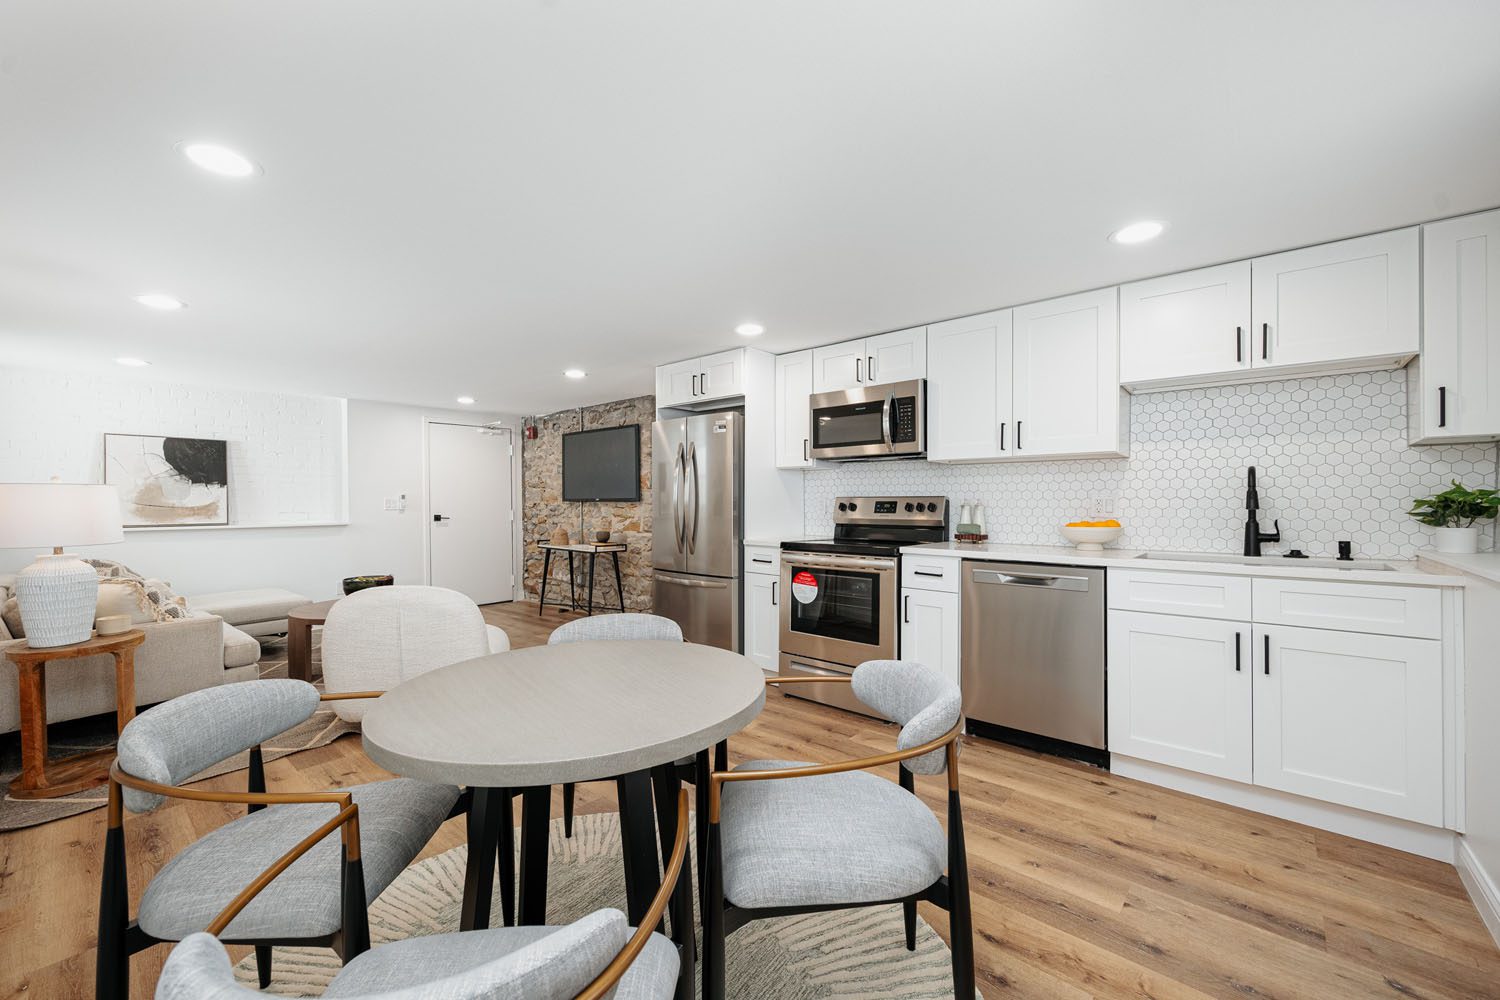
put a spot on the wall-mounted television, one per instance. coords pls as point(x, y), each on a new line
point(603, 464)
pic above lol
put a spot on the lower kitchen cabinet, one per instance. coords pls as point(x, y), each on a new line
point(1350, 718)
point(929, 630)
point(1179, 692)
point(762, 620)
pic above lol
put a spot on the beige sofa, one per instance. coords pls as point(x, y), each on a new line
point(177, 657)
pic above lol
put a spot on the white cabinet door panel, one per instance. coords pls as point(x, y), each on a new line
point(1375, 608)
point(1460, 366)
point(721, 375)
point(839, 366)
point(930, 632)
point(677, 383)
point(1182, 325)
point(896, 357)
point(1066, 376)
point(1198, 595)
point(1352, 719)
point(762, 627)
point(794, 378)
point(968, 388)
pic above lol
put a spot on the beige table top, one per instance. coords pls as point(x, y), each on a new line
point(316, 612)
point(600, 547)
point(576, 711)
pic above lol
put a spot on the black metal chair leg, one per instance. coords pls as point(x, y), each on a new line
point(263, 964)
point(960, 916)
point(570, 792)
point(112, 961)
point(356, 911)
point(507, 859)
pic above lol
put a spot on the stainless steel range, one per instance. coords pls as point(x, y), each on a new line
point(841, 597)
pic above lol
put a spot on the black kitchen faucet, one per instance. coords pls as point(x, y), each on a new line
point(1253, 535)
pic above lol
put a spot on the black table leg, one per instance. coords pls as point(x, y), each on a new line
point(664, 785)
point(638, 840)
point(593, 557)
point(667, 783)
point(619, 587)
point(536, 814)
point(546, 569)
point(572, 590)
point(479, 873)
point(507, 855)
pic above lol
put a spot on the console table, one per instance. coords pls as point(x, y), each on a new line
point(39, 779)
point(593, 551)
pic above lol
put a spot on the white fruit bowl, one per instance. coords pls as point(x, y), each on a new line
point(1091, 539)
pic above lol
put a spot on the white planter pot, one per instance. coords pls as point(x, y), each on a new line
point(1456, 539)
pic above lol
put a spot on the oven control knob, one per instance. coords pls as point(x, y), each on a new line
point(843, 506)
point(932, 508)
point(854, 506)
point(909, 506)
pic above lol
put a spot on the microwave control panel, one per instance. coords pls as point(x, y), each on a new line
point(905, 420)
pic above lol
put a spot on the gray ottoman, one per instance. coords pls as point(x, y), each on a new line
point(256, 612)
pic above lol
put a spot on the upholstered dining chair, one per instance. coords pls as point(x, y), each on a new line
point(322, 901)
point(788, 837)
point(589, 959)
point(376, 638)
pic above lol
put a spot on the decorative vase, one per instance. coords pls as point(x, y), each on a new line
point(56, 596)
point(355, 583)
point(1456, 540)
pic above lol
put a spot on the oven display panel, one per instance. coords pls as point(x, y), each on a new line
point(885, 506)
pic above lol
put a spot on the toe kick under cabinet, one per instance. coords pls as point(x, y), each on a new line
point(1329, 690)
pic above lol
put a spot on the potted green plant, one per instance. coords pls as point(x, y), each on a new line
point(1453, 513)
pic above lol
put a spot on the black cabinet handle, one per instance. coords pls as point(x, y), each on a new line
point(804, 450)
point(1239, 345)
point(1002, 435)
point(1442, 406)
point(773, 592)
point(1018, 435)
point(1236, 652)
point(923, 572)
point(857, 363)
point(1265, 341)
point(906, 610)
point(695, 385)
point(1268, 656)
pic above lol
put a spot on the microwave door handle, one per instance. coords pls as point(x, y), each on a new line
point(886, 409)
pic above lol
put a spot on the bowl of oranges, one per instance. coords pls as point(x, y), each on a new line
point(1092, 536)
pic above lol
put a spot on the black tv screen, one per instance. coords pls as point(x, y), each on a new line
point(603, 464)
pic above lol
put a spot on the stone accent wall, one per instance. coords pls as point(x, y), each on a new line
point(543, 508)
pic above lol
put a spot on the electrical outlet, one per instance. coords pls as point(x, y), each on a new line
point(1103, 505)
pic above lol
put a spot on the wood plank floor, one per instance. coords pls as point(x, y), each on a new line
point(1085, 884)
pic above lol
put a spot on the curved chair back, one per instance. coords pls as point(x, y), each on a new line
point(374, 639)
point(924, 704)
point(175, 740)
point(597, 628)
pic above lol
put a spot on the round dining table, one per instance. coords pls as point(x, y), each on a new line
point(528, 719)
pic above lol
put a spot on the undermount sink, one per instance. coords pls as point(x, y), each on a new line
point(1226, 557)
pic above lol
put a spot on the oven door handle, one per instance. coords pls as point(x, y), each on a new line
point(834, 561)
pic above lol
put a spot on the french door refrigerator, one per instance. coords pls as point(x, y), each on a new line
point(697, 467)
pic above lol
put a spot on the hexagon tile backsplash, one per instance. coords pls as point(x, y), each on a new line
point(1331, 455)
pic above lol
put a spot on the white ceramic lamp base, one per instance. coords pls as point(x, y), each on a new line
point(56, 596)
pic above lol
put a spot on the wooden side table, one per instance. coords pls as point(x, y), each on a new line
point(299, 626)
point(41, 779)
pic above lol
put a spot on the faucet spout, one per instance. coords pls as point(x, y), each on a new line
point(1253, 535)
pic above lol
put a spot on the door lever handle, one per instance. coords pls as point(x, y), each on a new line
point(441, 517)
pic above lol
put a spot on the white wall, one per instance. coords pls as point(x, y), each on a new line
point(386, 458)
point(1481, 842)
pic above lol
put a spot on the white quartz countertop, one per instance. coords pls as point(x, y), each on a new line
point(1485, 565)
point(775, 543)
point(1423, 573)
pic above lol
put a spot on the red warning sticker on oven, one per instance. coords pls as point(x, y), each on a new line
point(805, 587)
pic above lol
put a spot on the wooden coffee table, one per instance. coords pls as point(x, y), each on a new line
point(41, 779)
point(299, 626)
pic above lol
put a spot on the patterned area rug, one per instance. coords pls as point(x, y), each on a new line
point(843, 955)
point(80, 735)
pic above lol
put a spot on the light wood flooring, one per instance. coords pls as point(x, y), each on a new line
point(1085, 884)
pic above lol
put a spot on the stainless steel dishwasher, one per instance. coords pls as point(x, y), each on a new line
point(1033, 656)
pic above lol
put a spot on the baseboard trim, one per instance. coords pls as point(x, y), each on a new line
point(1402, 835)
point(1482, 888)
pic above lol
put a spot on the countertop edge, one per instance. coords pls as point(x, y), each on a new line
point(1480, 565)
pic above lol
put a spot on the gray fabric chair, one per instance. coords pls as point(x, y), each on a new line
point(321, 901)
point(790, 837)
point(592, 958)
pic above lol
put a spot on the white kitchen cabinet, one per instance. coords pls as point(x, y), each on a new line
point(1179, 692)
point(968, 388)
point(1454, 389)
point(1065, 377)
point(762, 620)
point(701, 380)
point(794, 383)
point(930, 630)
point(888, 357)
point(1181, 327)
point(1338, 302)
point(1352, 719)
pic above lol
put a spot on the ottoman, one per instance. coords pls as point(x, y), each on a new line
point(257, 612)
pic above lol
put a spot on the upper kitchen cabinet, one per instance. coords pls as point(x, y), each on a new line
point(1065, 377)
point(1454, 389)
point(968, 388)
point(794, 383)
point(1181, 327)
point(1355, 301)
point(888, 357)
point(701, 380)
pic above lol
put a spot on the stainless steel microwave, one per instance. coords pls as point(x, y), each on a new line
point(872, 421)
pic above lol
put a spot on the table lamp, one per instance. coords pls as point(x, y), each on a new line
point(57, 593)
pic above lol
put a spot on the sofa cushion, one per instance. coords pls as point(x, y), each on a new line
point(10, 614)
point(245, 607)
point(4, 631)
point(240, 650)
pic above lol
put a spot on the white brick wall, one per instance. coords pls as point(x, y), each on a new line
point(286, 462)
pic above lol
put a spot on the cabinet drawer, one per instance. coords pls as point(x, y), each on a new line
point(763, 559)
point(1196, 595)
point(1374, 608)
point(930, 573)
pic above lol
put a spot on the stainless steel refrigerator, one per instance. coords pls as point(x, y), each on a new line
point(697, 470)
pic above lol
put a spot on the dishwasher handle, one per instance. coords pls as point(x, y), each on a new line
point(1049, 580)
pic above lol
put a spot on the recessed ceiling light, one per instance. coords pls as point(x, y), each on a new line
point(749, 329)
point(156, 300)
point(575, 373)
point(466, 400)
point(218, 159)
point(1138, 232)
point(132, 362)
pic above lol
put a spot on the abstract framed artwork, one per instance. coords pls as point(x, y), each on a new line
point(168, 480)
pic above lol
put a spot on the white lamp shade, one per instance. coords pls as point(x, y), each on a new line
point(53, 515)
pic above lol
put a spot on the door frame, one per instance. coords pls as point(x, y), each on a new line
point(510, 426)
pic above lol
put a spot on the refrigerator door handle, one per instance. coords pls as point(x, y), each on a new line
point(678, 468)
point(692, 480)
point(678, 581)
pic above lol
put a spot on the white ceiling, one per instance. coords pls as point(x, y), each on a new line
point(469, 197)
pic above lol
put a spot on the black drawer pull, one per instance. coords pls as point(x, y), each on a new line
point(1236, 652)
point(923, 572)
point(1268, 656)
point(1442, 406)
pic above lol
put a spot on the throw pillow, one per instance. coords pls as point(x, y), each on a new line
point(124, 597)
point(164, 603)
point(110, 570)
point(11, 615)
point(4, 631)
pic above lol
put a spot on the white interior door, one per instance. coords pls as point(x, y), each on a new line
point(470, 512)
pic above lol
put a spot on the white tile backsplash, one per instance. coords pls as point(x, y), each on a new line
point(1330, 452)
